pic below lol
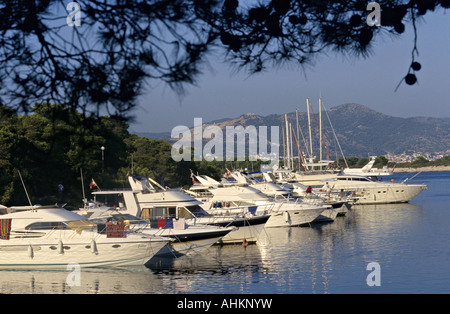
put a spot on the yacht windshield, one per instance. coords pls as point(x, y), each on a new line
point(196, 210)
point(78, 225)
point(132, 219)
point(47, 225)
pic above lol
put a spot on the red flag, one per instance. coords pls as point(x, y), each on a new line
point(93, 184)
point(192, 177)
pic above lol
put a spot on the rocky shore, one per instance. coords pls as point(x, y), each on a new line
point(423, 169)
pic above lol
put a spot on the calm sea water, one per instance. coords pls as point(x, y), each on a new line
point(410, 243)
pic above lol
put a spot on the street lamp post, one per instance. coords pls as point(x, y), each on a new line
point(103, 158)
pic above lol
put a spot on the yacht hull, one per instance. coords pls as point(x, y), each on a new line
point(246, 229)
point(248, 233)
point(328, 215)
point(386, 194)
point(52, 254)
point(292, 217)
point(191, 241)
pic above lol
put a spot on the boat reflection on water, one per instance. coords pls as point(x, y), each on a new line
point(137, 279)
point(216, 271)
point(387, 218)
point(299, 257)
point(333, 256)
point(186, 274)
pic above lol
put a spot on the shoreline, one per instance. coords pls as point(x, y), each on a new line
point(423, 169)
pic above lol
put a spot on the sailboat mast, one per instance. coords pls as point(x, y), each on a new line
point(82, 186)
point(291, 153)
point(298, 140)
point(288, 145)
point(283, 135)
point(320, 128)
point(309, 127)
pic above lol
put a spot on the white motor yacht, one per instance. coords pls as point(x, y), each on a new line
point(309, 178)
point(53, 237)
point(337, 204)
point(266, 185)
point(163, 207)
point(283, 213)
point(340, 202)
point(185, 239)
point(367, 170)
point(315, 178)
point(368, 191)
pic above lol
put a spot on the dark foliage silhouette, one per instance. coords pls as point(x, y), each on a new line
point(103, 65)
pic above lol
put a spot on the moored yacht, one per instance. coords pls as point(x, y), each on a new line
point(367, 170)
point(165, 207)
point(53, 237)
point(185, 239)
point(283, 213)
point(339, 201)
point(265, 185)
point(368, 191)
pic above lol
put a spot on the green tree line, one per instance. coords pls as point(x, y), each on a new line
point(52, 145)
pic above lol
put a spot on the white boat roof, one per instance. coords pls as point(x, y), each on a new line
point(43, 214)
point(50, 214)
point(238, 193)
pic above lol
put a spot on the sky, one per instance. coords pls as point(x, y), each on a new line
point(222, 92)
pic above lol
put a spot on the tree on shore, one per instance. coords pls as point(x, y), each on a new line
point(420, 162)
point(51, 145)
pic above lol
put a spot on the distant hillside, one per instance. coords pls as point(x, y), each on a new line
point(363, 130)
point(360, 131)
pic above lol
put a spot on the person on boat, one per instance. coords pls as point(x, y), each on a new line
point(327, 189)
point(308, 191)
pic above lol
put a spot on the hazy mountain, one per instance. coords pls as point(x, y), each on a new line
point(360, 131)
